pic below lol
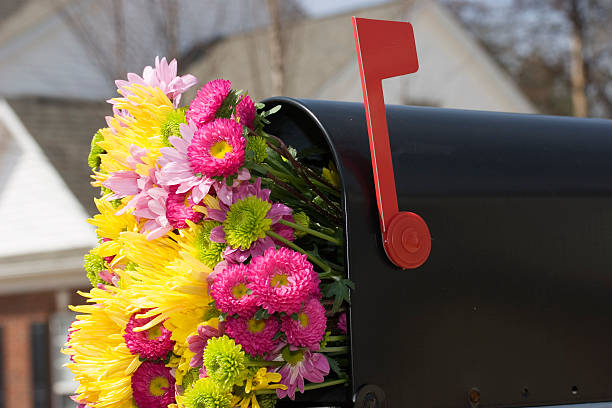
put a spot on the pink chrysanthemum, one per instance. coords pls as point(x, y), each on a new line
point(153, 386)
point(151, 344)
point(217, 148)
point(301, 364)
point(197, 343)
point(309, 328)
point(255, 336)
point(162, 76)
point(342, 323)
point(245, 111)
point(176, 170)
point(282, 279)
point(207, 102)
point(229, 290)
point(179, 208)
point(228, 199)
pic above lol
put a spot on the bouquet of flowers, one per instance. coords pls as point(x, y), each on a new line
point(219, 277)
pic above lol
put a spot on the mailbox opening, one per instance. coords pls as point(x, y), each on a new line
point(514, 300)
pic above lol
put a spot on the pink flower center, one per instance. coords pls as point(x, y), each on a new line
point(256, 326)
point(220, 149)
point(239, 290)
point(158, 386)
point(303, 319)
point(280, 279)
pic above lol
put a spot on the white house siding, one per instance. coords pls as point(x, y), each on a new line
point(38, 212)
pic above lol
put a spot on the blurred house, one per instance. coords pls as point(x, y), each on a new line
point(47, 72)
point(319, 62)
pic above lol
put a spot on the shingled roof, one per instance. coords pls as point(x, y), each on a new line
point(63, 128)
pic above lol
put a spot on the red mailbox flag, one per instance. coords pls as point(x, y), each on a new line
point(386, 49)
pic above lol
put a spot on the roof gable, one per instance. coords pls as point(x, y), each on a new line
point(38, 211)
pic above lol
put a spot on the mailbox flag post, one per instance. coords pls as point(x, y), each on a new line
point(386, 49)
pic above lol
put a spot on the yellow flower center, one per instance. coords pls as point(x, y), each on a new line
point(279, 279)
point(158, 386)
point(255, 326)
point(303, 319)
point(220, 149)
point(186, 203)
point(154, 332)
point(239, 290)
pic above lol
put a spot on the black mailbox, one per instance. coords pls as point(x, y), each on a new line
point(514, 305)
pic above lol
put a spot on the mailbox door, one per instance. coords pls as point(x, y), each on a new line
point(514, 305)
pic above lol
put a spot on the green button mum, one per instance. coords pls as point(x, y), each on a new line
point(225, 362)
point(246, 222)
point(205, 393)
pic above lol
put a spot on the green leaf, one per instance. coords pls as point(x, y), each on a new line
point(278, 335)
point(222, 317)
point(339, 291)
point(211, 313)
point(273, 110)
point(261, 314)
point(333, 364)
point(294, 316)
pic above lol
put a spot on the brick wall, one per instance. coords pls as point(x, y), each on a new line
point(17, 314)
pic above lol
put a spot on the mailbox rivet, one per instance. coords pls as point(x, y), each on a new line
point(474, 397)
point(370, 396)
point(574, 390)
point(410, 240)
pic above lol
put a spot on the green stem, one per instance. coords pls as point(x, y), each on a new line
point(311, 231)
point(314, 259)
point(310, 386)
point(333, 349)
point(263, 169)
point(276, 166)
point(254, 363)
point(324, 187)
point(336, 338)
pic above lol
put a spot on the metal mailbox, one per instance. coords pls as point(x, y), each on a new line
point(514, 305)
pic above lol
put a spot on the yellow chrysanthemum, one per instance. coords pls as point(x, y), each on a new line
point(180, 360)
point(148, 108)
point(331, 175)
point(176, 293)
point(262, 380)
point(101, 361)
point(155, 254)
point(108, 224)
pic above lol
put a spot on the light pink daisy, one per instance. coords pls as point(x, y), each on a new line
point(301, 364)
point(163, 76)
point(228, 198)
point(148, 199)
point(309, 327)
point(282, 279)
point(151, 344)
point(197, 343)
point(153, 385)
point(229, 290)
point(207, 102)
point(217, 148)
point(255, 336)
point(179, 208)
